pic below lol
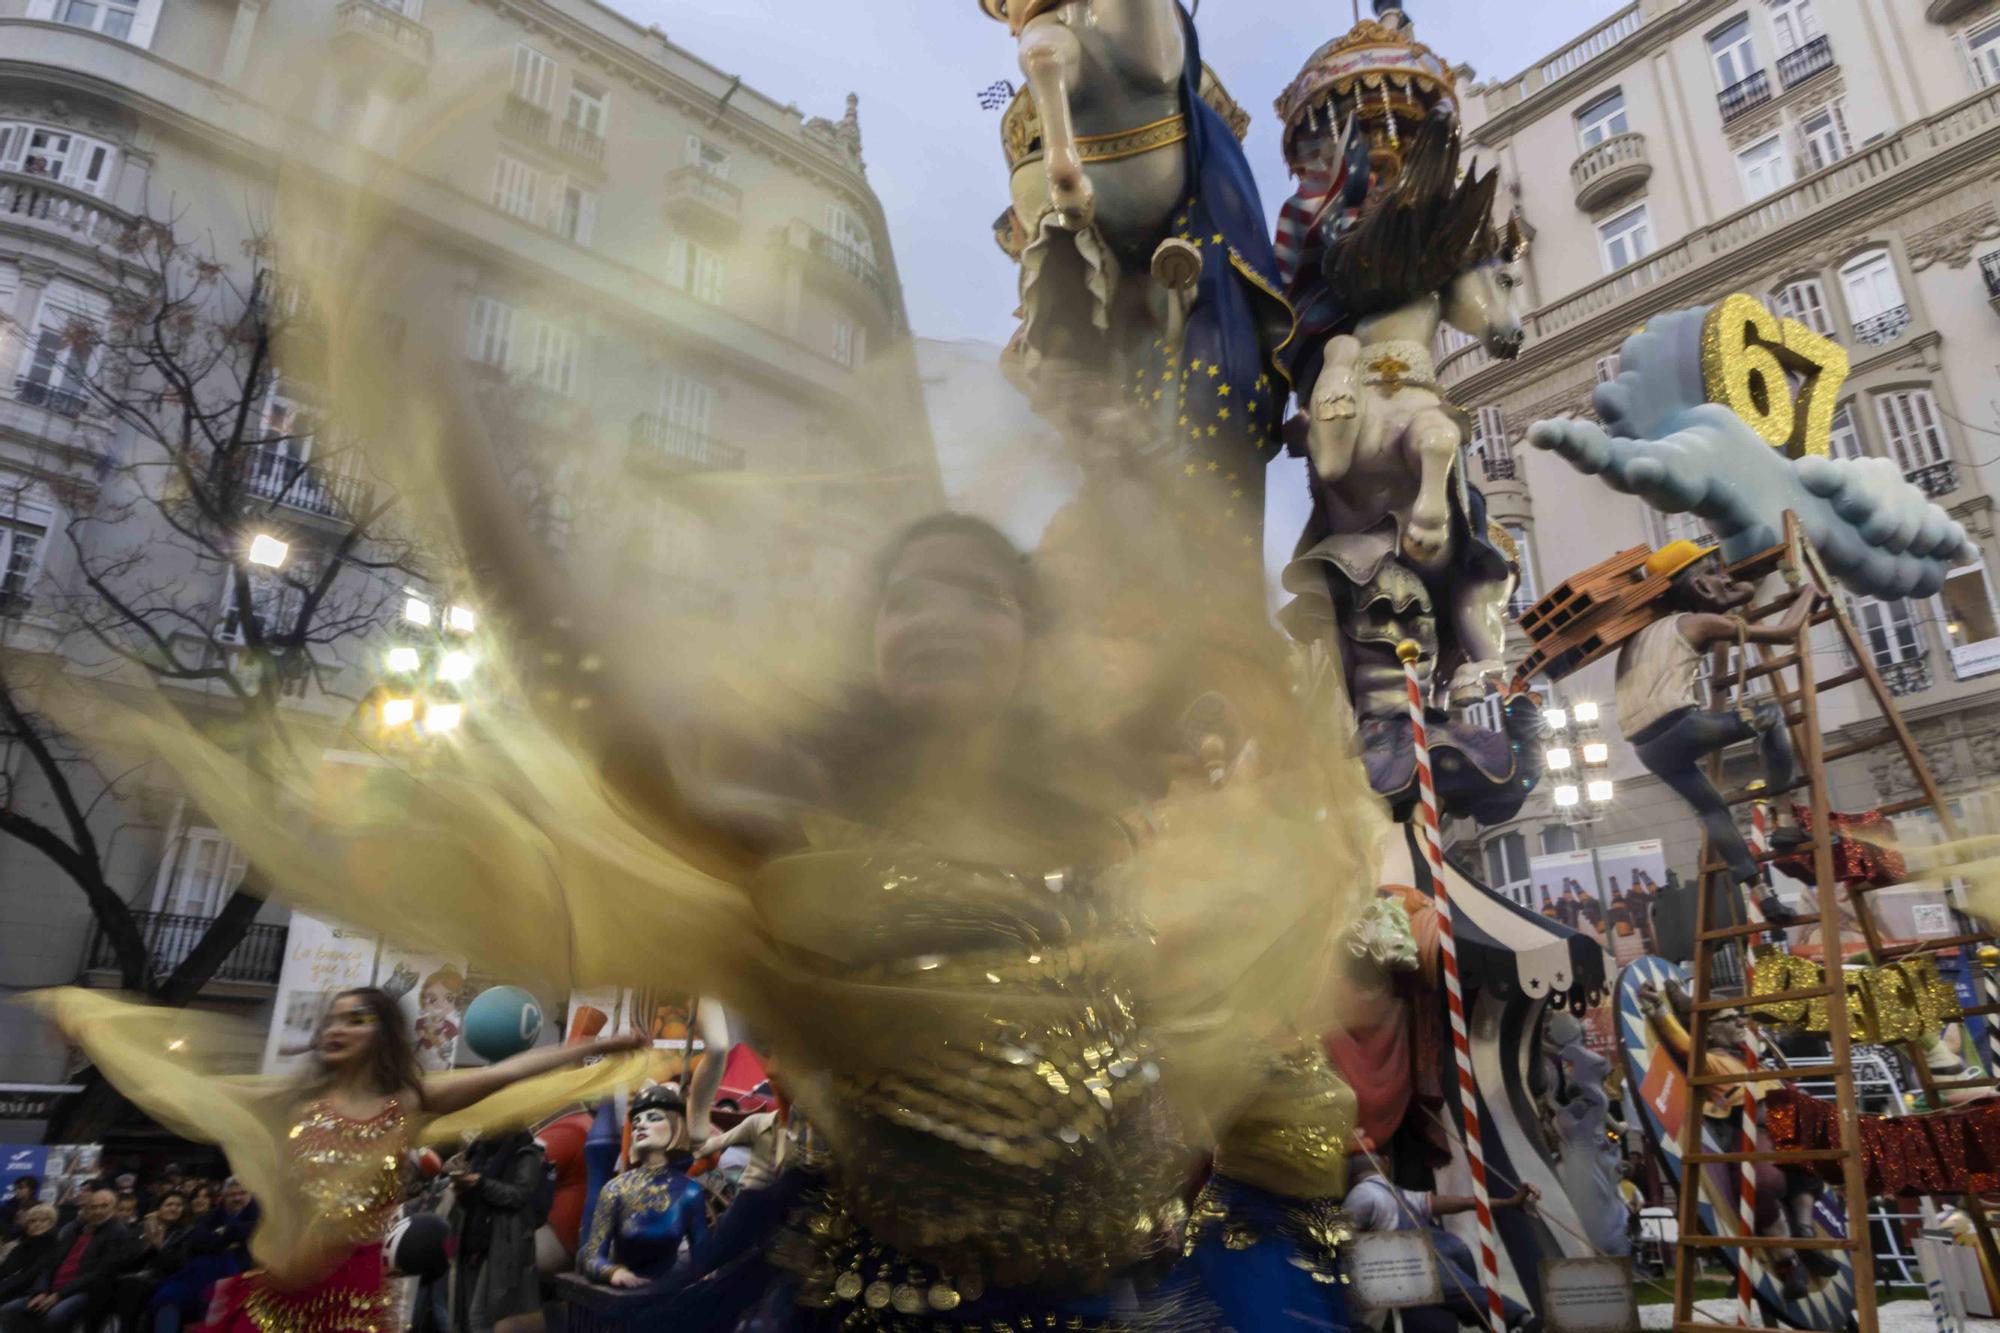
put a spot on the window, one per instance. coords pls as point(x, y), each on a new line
point(1557, 839)
point(490, 333)
point(695, 269)
point(687, 413)
point(1795, 23)
point(850, 342)
point(850, 231)
point(72, 159)
point(1608, 368)
point(1823, 137)
point(1625, 239)
point(1971, 626)
point(63, 349)
point(516, 187)
point(551, 357)
point(1525, 591)
point(1889, 629)
point(534, 77)
point(1506, 860)
point(709, 157)
point(1910, 425)
point(589, 111)
point(576, 213)
point(1765, 167)
point(1982, 48)
point(1874, 297)
point(1735, 58)
point(1805, 301)
point(25, 520)
point(1843, 439)
point(196, 880)
point(1602, 119)
point(1487, 713)
point(126, 20)
point(274, 600)
point(1489, 425)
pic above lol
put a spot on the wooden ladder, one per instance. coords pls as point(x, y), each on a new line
point(1806, 577)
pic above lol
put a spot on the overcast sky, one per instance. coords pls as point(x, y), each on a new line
point(934, 156)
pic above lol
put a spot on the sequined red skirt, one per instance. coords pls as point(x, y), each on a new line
point(353, 1298)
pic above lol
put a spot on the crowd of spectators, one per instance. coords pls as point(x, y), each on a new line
point(113, 1257)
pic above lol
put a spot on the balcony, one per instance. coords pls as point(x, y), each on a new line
point(1949, 11)
point(1912, 675)
point(44, 205)
point(1745, 96)
point(1975, 659)
point(40, 393)
point(701, 200)
point(1935, 480)
point(1883, 328)
point(525, 120)
point(1610, 169)
point(381, 40)
point(1795, 67)
point(679, 448)
point(580, 144)
point(296, 484)
point(1989, 269)
point(170, 938)
point(839, 263)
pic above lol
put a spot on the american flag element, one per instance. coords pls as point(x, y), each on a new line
point(1321, 186)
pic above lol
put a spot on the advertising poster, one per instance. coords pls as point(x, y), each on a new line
point(1565, 885)
point(1631, 875)
point(431, 991)
point(321, 960)
point(17, 1160)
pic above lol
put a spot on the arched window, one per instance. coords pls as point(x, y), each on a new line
point(1875, 300)
point(65, 157)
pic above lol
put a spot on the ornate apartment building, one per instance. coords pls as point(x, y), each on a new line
point(1840, 160)
point(676, 272)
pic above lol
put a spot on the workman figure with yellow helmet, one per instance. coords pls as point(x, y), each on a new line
point(1663, 715)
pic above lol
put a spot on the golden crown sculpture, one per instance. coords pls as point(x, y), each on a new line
point(1378, 71)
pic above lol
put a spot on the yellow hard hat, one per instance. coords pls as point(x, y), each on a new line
point(1675, 556)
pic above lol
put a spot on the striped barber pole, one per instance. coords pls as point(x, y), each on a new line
point(1475, 1148)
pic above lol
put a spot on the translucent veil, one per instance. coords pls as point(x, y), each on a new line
point(567, 836)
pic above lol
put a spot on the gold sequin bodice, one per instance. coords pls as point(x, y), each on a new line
point(1294, 1137)
point(350, 1171)
point(1005, 1120)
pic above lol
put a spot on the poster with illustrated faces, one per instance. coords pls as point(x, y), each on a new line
point(431, 990)
point(322, 959)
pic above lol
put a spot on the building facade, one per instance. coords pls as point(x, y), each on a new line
point(675, 274)
point(1839, 160)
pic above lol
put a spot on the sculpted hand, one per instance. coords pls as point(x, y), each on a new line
point(1663, 443)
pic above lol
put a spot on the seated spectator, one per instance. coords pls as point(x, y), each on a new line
point(73, 1285)
point(20, 1197)
point(31, 1251)
point(127, 1211)
point(217, 1246)
point(162, 1251)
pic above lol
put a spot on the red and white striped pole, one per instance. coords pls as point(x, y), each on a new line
point(1475, 1148)
point(1746, 1188)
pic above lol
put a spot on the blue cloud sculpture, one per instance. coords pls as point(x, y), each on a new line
point(1679, 453)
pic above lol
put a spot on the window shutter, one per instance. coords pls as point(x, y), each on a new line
point(13, 145)
point(143, 22)
point(694, 150)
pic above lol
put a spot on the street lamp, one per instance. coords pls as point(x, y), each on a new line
point(1586, 713)
point(416, 611)
point(1599, 790)
point(1558, 759)
point(1566, 796)
point(1596, 753)
point(1556, 718)
point(405, 660)
point(268, 551)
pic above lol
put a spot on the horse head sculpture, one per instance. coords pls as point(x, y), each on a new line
point(1484, 301)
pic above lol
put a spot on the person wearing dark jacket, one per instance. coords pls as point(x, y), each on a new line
point(20, 1198)
point(23, 1263)
point(493, 1227)
point(217, 1246)
point(74, 1283)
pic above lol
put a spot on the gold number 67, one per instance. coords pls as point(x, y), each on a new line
point(1749, 358)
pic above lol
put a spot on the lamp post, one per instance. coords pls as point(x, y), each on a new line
point(428, 671)
point(1578, 757)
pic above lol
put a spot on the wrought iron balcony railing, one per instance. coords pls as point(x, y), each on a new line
point(1497, 462)
point(272, 475)
point(680, 447)
point(1912, 675)
point(1934, 480)
point(170, 937)
point(1883, 328)
point(1744, 95)
point(1795, 67)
